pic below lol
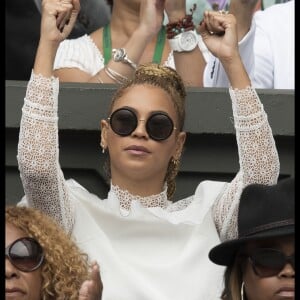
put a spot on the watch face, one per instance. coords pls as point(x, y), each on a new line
point(188, 40)
point(118, 54)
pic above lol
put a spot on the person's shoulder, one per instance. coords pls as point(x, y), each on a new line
point(275, 12)
point(81, 40)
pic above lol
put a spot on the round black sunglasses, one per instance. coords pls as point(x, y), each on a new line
point(124, 121)
point(26, 254)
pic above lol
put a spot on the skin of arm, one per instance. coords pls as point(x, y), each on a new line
point(225, 47)
point(52, 33)
point(151, 16)
point(190, 65)
point(258, 157)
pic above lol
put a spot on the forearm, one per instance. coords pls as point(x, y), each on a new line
point(190, 66)
point(258, 158)
point(236, 72)
point(134, 47)
point(42, 179)
point(44, 59)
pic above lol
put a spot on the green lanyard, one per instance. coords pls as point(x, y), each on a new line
point(159, 47)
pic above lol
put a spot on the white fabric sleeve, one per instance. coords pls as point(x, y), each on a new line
point(258, 158)
point(38, 157)
point(81, 53)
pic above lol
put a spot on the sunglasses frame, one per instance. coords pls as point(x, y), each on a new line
point(146, 123)
point(31, 240)
point(287, 259)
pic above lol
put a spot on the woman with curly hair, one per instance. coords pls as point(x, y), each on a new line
point(52, 267)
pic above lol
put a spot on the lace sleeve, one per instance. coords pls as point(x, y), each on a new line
point(258, 158)
point(41, 175)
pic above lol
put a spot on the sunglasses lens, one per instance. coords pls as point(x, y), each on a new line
point(159, 126)
point(269, 262)
point(26, 254)
point(123, 122)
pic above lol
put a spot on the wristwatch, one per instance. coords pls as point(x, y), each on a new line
point(185, 41)
point(119, 55)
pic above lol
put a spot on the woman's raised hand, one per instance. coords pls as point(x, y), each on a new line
point(151, 16)
point(219, 33)
point(58, 19)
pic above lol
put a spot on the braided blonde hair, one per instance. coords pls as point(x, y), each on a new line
point(168, 80)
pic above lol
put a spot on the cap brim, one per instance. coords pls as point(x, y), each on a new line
point(224, 254)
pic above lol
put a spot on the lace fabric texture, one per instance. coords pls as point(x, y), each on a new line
point(126, 198)
point(46, 189)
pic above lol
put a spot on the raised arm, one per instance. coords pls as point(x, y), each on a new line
point(258, 155)
point(138, 44)
point(38, 156)
point(189, 65)
point(150, 21)
point(214, 74)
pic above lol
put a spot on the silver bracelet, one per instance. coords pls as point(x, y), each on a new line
point(115, 76)
point(120, 55)
point(99, 78)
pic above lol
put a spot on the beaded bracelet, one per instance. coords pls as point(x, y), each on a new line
point(185, 24)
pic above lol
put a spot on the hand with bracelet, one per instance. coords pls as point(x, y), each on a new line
point(142, 39)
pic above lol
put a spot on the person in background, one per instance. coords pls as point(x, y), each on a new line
point(142, 240)
point(266, 45)
point(134, 35)
point(42, 262)
point(260, 263)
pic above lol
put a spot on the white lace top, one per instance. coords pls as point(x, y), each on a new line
point(82, 53)
point(147, 248)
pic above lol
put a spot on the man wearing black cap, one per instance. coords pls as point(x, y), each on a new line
point(261, 261)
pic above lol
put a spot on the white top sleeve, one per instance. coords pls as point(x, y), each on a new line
point(258, 157)
point(81, 53)
point(46, 188)
point(38, 156)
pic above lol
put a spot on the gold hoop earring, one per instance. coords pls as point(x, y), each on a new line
point(175, 161)
point(242, 290)
point(103, 148)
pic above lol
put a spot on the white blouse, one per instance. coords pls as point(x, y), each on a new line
point(82, 53)
point(157, 251)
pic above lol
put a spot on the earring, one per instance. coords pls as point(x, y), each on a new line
point(103, 148)
point(242, 290)
point(175, 161)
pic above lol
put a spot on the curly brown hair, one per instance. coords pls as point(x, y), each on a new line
point(65, 267)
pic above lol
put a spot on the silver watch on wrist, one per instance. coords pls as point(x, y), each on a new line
point(119, 55)
point(185, 41)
